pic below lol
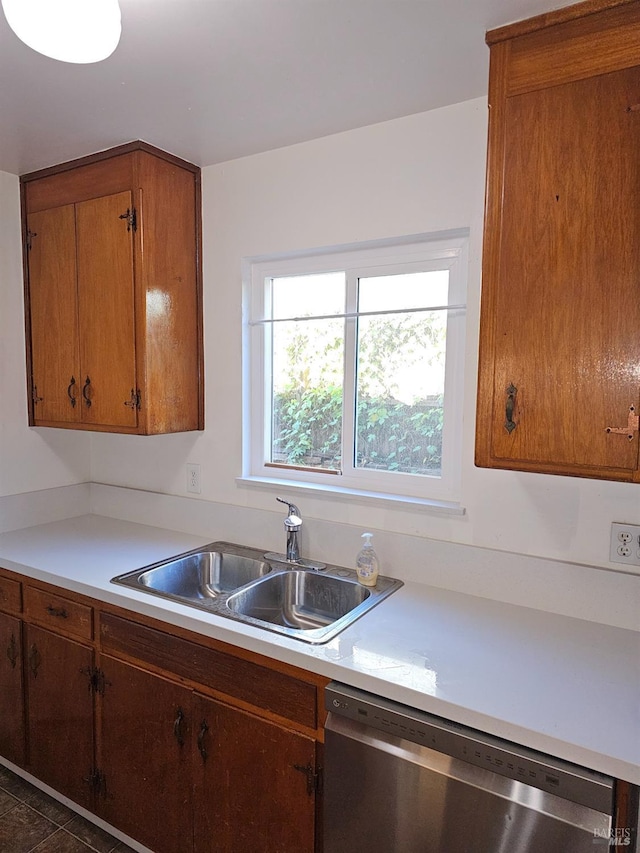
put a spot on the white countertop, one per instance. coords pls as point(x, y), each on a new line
point(564, 686)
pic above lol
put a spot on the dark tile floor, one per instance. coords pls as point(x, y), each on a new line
point(33, 822)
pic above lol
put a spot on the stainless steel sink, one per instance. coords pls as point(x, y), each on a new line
point(205, 574)
point(309, 603)
point(201, 576)
point(299, 599)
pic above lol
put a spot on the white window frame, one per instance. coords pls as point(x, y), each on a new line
point(419, 252)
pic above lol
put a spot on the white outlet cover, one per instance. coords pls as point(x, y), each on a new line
point(624, 545)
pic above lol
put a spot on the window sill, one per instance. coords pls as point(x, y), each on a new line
point(437, 507)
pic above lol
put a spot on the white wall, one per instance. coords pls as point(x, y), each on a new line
point(421, 173)
point(29, 458)
point(416, 174)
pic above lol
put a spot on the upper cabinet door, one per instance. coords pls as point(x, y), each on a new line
point(559, 382)
point(55, 367)
point(106, 310)
point(113, 293)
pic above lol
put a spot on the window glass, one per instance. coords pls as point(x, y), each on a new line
point(400, 375)
point(307, 359)
point(355, 373)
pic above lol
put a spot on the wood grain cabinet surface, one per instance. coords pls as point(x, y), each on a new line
point(113, 293)
point(559, 380)
point(60, 720)
point(183, 743)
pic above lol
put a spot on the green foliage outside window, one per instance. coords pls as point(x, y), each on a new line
point(391, 435)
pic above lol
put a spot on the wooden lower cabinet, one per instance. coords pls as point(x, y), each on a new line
point(254, 783)
point(60, 721)
point(185, 744)
point(12, 734)
point(144, 756)
point(180, 771)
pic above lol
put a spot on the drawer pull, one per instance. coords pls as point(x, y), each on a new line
point(60, 612)
point(204, 728)
point(12, 651)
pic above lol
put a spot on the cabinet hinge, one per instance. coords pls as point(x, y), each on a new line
point(96, 781)
point(30, 236)
point(132, 220)
point(314, 778)
point(34, 396)
point(97, 680)
point(134, 402)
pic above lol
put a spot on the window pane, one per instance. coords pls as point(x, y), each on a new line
point(307, 295)
point(400, 374)
point(307, 372)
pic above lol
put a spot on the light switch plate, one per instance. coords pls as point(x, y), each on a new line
point(625, 544)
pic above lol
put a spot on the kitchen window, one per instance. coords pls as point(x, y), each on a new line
point(354, 372)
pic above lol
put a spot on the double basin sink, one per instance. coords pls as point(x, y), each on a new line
point(307, 601)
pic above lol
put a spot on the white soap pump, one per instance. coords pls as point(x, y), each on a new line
point(367, 566)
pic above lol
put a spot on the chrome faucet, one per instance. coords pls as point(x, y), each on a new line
point(292, 525)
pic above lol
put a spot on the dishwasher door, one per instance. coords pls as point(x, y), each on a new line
point(385, 793)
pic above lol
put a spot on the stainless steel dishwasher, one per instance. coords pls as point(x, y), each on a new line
point(401, 781)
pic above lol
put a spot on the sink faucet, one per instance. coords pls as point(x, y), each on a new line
point(292, 524)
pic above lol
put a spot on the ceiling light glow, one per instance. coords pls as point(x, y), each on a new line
point(79, 31)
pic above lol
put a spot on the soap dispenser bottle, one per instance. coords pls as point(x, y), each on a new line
point(367, 566)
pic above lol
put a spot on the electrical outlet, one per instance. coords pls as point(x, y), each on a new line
point(625, 544)
point(193, 478)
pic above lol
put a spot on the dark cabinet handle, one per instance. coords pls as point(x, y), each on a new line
point(60, 612)
point(177, 727)
point(85, 392)
point(204, 728)
point(509, 423)
point(12, 651)
point(34, 660)
point(70, 389)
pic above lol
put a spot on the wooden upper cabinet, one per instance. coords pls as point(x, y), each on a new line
point(113, 293)
point(559, 379)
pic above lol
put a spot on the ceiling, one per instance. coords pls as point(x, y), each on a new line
point(212, 80)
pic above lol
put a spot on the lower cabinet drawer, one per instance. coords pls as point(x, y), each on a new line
point(58, 614)
point(263, 687)
point(10, 595)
